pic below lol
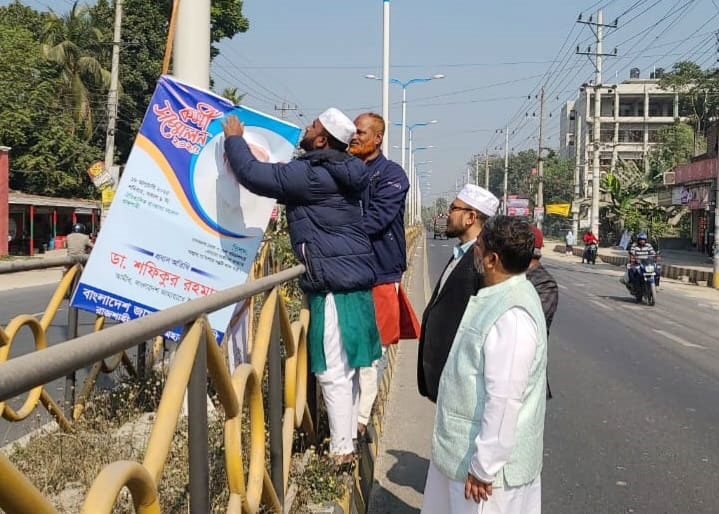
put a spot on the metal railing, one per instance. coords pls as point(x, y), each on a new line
point(291, 397)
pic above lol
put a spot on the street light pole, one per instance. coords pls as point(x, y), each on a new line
point(385, 77)
point(404, 125)
point(715, 258)
point(506, 167)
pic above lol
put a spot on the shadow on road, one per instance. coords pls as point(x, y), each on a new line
point(410, 470)
point(619, 299)
point(384, 502)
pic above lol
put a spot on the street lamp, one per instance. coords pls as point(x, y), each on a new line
point(415, 201)
point(404, 86)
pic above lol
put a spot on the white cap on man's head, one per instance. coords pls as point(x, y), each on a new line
point(479, 198)
point(338, 124)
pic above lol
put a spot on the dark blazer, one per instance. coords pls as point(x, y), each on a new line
point(440, 322)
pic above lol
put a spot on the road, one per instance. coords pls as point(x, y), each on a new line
point(634, 424)
point(34, 300)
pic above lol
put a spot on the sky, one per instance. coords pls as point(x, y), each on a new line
point(315, 54)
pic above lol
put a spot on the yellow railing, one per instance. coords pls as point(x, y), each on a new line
point(235, 392)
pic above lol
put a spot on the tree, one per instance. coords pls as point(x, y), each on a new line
point(74, 43)
point(677, 145)
point(698, 94)
point(233, 95)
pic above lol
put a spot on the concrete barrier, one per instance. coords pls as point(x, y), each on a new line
point(668, 270)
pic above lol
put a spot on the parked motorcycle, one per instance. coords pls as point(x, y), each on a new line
point(648, 270)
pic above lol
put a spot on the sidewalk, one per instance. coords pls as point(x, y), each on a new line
point(405, 446)
point(683, 265)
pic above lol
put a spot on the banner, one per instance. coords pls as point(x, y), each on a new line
point(181, 226)
point(560, 209)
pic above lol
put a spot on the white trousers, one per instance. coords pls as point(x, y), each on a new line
point(369, 379)
point(445, 496)
point(340, 385)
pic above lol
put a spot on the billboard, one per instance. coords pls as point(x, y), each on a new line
point(181, 226)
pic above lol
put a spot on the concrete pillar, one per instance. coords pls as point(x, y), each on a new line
point(4, 198)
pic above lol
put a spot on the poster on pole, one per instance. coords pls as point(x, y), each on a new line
point(181, 226)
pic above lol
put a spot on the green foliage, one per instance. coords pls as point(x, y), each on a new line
point(676, 146)
point(233, 95)
point(54, 80)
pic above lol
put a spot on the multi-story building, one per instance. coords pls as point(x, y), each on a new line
point(631, 115)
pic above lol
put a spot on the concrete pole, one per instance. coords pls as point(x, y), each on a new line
point(4, 199)
point(191, 54)
point(506, 167)
point(715, 275)
point(411, 177)
point(486, 170)
point(385, 78)
point(476, 171)
point(540, 158)
point(596, 126)
point(404, 128)
point(112, 99)
point(577, 164)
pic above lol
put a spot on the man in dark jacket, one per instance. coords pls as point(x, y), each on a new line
point(383, 203)
point(322, 191)
point(458, 282)
point(544, 284)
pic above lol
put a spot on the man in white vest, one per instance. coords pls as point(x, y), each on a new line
point(488, 434)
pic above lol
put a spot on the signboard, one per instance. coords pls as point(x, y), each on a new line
point(181, 226)
point(519, 203)
point(560, 209)
point(677, 195)
point(584, 223)
point(107, 196)
point(517, 211)
point(100, 175)
point(705, 169)
point(539, 214)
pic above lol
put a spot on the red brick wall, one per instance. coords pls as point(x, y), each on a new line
point(4, 206)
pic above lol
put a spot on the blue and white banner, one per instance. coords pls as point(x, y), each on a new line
point(181, 226)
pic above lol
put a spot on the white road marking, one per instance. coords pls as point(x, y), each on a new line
point(445, 245)
point(560, 286)
point(600, 304)
point(714, 306)
point(679, 340)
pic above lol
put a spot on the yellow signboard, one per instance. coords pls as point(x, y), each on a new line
point(107, 196)
point(560, 209)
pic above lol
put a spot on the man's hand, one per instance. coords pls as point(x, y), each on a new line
point(476, 489)
point(233, 127)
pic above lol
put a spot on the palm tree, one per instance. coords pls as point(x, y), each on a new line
point(233, 95)
point(75, 44)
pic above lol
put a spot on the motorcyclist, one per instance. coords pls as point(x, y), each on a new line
point(642, 249)
point(589, 239)
point(78, 243)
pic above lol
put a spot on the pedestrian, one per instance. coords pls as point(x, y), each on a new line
point(383, 203)
point(544, 284)
point(322, 191)
point(466, 216)
point(487, 442)
point(569, 240)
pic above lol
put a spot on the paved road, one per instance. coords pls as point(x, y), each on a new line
point(634, 424)
point(33, 300)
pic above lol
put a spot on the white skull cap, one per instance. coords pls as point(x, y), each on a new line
point(338, 124)
point(479, 198)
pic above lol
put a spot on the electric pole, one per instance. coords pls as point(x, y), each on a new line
point(577, 176)
point(486, 170)
point(540, 163)
point(385, 76)
point(112, 105)
point(476, 170)
point(506, 167)
point(596, 119)
point(285, 108)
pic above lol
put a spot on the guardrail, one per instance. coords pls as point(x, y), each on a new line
point(291, 399)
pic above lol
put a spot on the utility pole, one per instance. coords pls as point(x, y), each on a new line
point(468, 175)
point(385, 78)
point(506, 167)
point(285, 108)
point(486, 170)
point(476, 170)
point(577, 176)
point(540, 159)
point(715, 259)
point(597, 28)
point(112, 104)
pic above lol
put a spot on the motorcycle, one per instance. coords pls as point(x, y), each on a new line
point(590, 253)
point(648, 270)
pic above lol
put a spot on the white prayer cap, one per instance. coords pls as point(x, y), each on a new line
point(338, 124)
point(479, 198)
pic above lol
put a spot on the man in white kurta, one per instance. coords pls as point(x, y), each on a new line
point(499, 354)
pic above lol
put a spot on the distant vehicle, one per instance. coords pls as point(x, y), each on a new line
point(647, 269)
point(440, 227)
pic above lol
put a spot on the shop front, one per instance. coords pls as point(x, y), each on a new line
point(41, 223)
point(695, 188)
